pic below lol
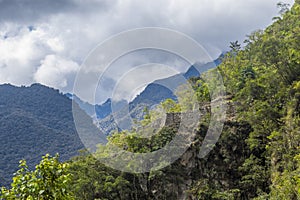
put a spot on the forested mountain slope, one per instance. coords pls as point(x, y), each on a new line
point(34, 121)
point(154, 93)
point(257, 155)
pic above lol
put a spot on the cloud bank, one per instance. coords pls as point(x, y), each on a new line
point(47, 41)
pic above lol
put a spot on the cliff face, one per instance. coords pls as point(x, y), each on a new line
point(219, 169)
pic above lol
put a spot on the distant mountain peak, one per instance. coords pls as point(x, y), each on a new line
point(192, 71)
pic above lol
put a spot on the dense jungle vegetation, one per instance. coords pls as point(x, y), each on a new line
point(256, 157)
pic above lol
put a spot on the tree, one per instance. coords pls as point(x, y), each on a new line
point(235, 46)
point(283, 7)
point(49, 181)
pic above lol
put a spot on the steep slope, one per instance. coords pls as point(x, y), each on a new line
point(152, 95)
point(257, 156)
point(98, 111)
point(164, 89)
point(34, 121)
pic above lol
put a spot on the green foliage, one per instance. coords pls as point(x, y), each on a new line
point(235, 46)
point(170, 106)
point(92, 180)
point(49, 181)
point(256, 157)
point(34, 121)
point(283, 7)
point(264, 78)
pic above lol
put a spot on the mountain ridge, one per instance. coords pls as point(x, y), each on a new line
point(153, 94)
point(35, 120)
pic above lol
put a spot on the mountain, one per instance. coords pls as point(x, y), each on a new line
point(109, 114)
point(198, 68)
point(34, 121)
point(163, 89)
point(104, 109)
point(98, 111)
point(257, 155)
point(153, 94)
point(87, 107)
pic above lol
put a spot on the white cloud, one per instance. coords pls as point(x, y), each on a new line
point(55, 71)
point(65, 32)
point(56, 44)
point(20, 52)
point(35, 54)
point(128, 86)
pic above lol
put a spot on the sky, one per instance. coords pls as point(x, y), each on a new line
point(47, 41)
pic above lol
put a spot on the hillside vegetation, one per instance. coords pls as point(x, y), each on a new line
point(34, 121)
point(258, 153)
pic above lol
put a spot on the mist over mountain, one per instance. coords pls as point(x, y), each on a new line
point(37, 120)
point(98, 111)
point(154, 93)
point(239, 141)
